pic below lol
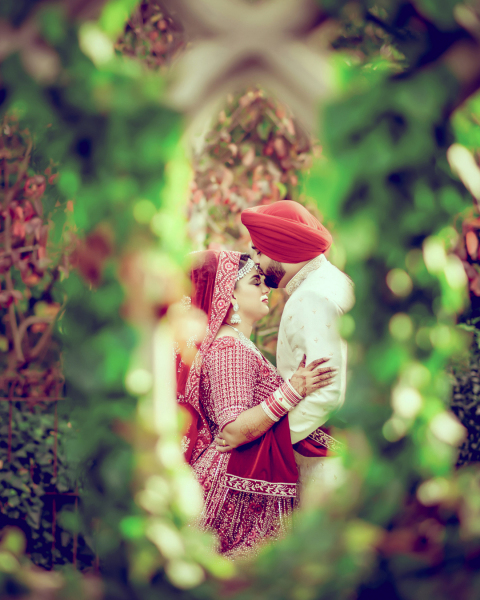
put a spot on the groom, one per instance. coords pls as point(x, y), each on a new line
point(290, 245)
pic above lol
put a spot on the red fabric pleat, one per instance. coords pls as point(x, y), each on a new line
point(309, 447)
point(268, 458)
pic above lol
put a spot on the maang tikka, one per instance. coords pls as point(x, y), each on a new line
point(235, 317)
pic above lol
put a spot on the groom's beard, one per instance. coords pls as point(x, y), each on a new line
point(274, 274)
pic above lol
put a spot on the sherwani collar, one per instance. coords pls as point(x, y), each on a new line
point(304, 272)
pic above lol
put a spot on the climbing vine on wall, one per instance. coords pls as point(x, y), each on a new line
point(37, 245)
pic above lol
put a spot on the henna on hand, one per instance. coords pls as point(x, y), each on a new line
point(324, 381)
point(249, 433)
point(325, 374)
point(321, 370)
point(299, 382)
point(305, 379)
point(316, 363)
point(303, 386)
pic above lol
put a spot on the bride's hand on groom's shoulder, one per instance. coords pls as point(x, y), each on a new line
point(310, 378)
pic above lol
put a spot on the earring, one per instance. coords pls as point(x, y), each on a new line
point(235, 318)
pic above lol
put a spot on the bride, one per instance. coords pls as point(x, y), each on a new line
point(231, 389)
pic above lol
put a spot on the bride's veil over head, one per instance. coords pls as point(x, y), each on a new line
point(213, 276)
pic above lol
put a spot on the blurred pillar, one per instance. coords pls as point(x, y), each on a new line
point(232, 44)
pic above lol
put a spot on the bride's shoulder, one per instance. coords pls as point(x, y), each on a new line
point(224, 341)
point(233, 346)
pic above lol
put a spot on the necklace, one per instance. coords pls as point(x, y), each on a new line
point(243, 338)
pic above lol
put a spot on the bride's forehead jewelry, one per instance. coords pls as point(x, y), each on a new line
point(246, 269)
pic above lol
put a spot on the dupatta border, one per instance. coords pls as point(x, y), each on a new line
point(227, 269)
point(257, 486)
point(326, 440)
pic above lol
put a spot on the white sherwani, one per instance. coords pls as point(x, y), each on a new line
point(319, 294)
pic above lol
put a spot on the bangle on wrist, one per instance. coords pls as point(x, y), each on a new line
point(294, 391)
point(282, 401)
point(268, 412)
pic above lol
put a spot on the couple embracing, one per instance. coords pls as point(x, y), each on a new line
point(256, 433)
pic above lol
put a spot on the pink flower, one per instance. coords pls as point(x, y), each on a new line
point(34, 186)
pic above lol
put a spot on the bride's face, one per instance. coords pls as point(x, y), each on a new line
point(272, 270)
point(251, 294)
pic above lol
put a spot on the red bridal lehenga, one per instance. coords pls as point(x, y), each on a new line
point(243, 511)
point(249, 493)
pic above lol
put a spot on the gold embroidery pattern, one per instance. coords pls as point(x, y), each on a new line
point(326, 440)
point(192, 341)
point(176, 350)
point(255, 486)
point(186, 303)
point(185, 443)
point(300, 277)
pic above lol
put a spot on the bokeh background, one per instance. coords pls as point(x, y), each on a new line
point(133, 133)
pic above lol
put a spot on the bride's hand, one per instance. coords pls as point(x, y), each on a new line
point(222, 445)
point(308, 379)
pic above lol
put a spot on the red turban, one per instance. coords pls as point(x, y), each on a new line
point(285, 231)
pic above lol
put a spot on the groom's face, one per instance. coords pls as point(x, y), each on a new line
point(271, 269)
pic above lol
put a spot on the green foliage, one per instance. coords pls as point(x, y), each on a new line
point(100, 118)
point(151, 35)
point(385, 188)
point(465, 122)
point(255, 152)
point(440, 13)
point(387, 172)
point(381, 185)
point(366, 40)
point(31, 266)
point(16, 12)
point(36, 476)
point(466, 397)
